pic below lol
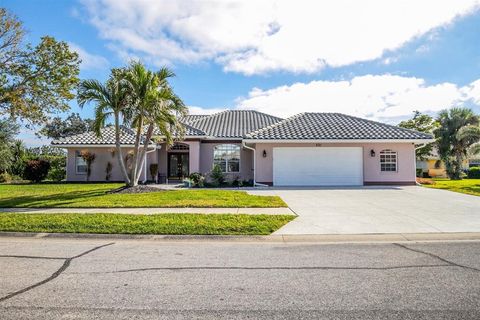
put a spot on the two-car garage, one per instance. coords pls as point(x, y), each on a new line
point(318, 166)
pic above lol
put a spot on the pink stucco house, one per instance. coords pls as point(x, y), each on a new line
point(308, 149)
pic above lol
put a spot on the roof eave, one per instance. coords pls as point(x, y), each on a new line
point(415, 141)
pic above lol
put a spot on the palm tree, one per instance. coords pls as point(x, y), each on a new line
point(154, 105)
point(454, 138)
point(471, 135)
point(111, 99)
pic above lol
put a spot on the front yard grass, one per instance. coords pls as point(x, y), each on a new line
point(468, 186)
point(94, 195)
point(173, 224)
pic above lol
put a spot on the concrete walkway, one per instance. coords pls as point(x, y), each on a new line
point(252, 211)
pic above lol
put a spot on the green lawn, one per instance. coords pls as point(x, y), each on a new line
point(468, 186)
point(213, 224)
point(94, 195)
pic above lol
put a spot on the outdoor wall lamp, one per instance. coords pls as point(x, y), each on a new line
point(372, 153)
point(264, 153)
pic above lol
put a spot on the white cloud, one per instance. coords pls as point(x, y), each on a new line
point(381, 97)
point(200, 110)
point(255, 37)
point(89, 61)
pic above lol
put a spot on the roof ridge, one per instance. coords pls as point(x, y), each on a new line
point(276, 124)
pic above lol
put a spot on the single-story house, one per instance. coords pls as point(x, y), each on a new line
point(307, 149)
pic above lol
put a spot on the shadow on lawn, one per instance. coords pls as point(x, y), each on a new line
point(51, 200)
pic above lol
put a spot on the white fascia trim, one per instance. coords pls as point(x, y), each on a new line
point(415, 141)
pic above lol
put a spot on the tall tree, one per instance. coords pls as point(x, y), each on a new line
point(60, 128)
point(423, 123)
point(111, 99)
point(8, 131)
point(154, 105)
point(35, 81)
point(453, 140)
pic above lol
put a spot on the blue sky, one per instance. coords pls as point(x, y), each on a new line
point(367, 58)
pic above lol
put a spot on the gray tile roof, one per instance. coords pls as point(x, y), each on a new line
point(127, 137)
point(233, 123)
point(189, 131)
point(192, 117)
point(332, 126)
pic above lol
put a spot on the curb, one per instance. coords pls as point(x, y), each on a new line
point(324, 238)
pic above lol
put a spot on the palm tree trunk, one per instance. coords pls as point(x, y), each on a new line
point(119, 150)
point(134, 177)
point(458, 166)
point(144, 150)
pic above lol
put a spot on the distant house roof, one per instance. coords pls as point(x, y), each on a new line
point(233, 123)
point(107, 137)
point(332, 126)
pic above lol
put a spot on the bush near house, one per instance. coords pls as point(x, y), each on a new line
point(197, 179)
point(36, 170)
point(217, 176)
point(474, 173)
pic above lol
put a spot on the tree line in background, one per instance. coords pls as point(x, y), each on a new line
point(457, 134)
point(37, 81)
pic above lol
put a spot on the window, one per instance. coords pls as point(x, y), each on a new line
point(80, 164)
point(227, 156)
point(388, 161)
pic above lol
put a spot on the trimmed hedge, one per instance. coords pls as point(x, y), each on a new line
point(474, 173)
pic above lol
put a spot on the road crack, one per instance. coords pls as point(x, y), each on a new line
point(450, 263)
point(267, 268)
point(54, 275)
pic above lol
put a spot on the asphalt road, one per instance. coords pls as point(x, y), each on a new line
point(95, 279)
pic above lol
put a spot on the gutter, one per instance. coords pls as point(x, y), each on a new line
point(255, 183)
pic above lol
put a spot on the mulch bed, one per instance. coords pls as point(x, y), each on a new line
point(136, 189)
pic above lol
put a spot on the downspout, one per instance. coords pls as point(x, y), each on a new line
point(145, 164)
point(255, 183)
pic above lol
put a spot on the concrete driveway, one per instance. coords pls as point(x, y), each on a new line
point(365, 210)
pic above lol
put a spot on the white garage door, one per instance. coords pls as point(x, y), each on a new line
point(320, 166)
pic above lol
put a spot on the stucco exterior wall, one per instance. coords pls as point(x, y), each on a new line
point(201, 160)
point(103, 155)
point(371, 165)
point(246, 161)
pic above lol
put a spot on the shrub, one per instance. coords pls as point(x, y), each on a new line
point(217, 176)
point(419, 172)
point(5, 177)
point(154, 171)
point(474, 173)
point(57, 170)
point(197, 179)
point(236, 182)
point(56, 174)
point(36, 170)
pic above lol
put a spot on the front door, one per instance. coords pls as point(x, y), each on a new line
point(178, 165)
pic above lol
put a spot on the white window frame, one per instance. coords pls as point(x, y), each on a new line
point(79, 162)
point(228, 149)
point(388, 157)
